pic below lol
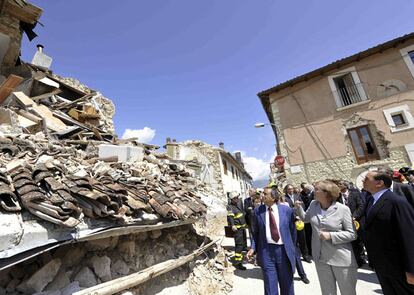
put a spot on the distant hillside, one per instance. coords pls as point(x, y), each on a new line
point(260, 183)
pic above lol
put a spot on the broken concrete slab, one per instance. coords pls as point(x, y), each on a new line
point(23, 99)
point(125, 153)
point(50, 82)
point(52, 122)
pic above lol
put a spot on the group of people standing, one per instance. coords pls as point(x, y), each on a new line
point(341, 224)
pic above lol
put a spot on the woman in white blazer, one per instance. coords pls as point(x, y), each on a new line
point(332, 234)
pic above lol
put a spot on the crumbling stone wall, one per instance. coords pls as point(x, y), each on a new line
point(345, 167)
point(86, 264)
point(211, 153)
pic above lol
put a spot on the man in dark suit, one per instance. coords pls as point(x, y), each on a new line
point(248, 208)
point(274, 239)
point(301, 247)
point(410, 178)
point(402, 189)
point(355, 202)
point(388, 235)
point(307, 196)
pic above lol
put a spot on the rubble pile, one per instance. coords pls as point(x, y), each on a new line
point(67, 181)
point(34, 101)
point(71, 268)
point(212, 275)
point(61, 183)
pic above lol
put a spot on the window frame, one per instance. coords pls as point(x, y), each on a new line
point(404, 110)
point(335, 91)
point(367, 157)
point(407, 59)
point(224, 163)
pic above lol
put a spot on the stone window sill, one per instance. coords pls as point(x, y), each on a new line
point(401, 128)
point(353, 105)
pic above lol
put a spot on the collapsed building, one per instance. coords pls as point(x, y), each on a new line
point(82, 211)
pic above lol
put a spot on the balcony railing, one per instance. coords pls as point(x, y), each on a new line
point(350, 94)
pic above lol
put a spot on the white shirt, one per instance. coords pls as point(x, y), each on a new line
point(378, 195)
point(345, 197)
point(275, 213)
point(292, 197)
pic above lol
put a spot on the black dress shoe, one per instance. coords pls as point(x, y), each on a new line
point(307, 259)
point(305, 280)
point(240, 266)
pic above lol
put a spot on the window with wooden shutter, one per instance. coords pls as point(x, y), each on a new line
point(363, 144)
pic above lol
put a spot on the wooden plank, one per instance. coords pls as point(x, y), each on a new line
point(46, 95)
point(132, 280)
point(28, 13)
point(29, 116)
point(8, 85)
point(73, 103)
point(67, 119)
point(23, 99)
point(52, 122)
point(69, 132)
point(74, 113)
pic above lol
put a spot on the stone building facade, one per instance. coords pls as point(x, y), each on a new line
point(216, 167)
point(342, 119)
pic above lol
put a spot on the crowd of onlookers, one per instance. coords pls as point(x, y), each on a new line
point(337, 226)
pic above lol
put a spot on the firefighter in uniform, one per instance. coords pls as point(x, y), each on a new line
point(237, 221)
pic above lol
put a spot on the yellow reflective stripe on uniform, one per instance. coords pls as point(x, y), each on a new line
point(240, 225)
point(238, 254)
point(238, 215)
point(238, 258)
point(230, 214)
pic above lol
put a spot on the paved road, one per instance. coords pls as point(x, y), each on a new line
point(250, 282)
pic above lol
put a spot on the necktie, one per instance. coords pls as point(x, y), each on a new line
point(344, 196)
point(274, 232)
point(370, 204)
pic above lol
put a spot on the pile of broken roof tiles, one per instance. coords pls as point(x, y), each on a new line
point(63, 184)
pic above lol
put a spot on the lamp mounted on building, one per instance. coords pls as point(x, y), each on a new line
point(261, 125)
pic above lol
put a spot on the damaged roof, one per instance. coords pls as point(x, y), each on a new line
point(22, 10)
point(336, 64)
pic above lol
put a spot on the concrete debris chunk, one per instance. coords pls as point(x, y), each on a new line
point(86, 277)
point(102, 267)
point(39, 280)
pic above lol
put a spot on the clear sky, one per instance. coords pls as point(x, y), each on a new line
point(191, 69)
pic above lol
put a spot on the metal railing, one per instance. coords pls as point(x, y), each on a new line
point(350, 94)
